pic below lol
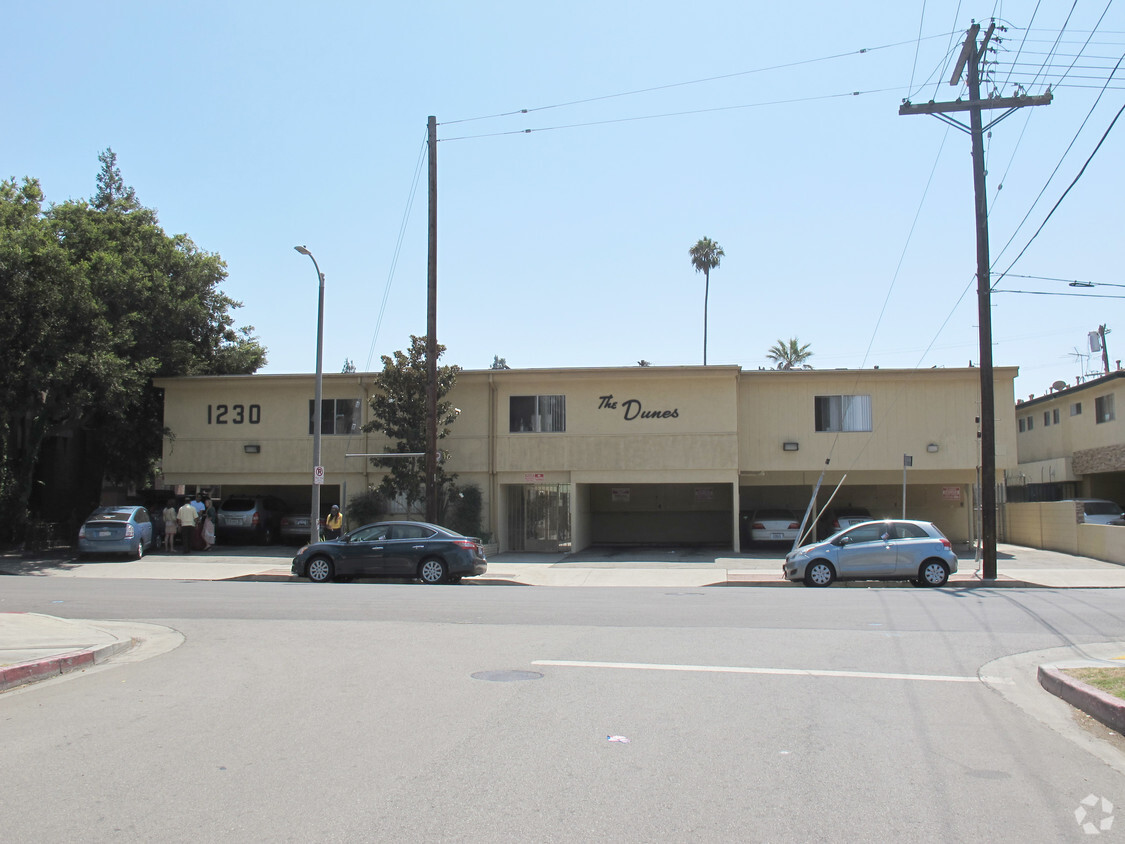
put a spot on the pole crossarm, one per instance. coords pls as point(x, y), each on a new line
point(968, 105)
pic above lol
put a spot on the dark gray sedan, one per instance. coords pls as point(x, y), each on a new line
point(429, 553)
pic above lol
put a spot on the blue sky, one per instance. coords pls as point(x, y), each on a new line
point(255, 126)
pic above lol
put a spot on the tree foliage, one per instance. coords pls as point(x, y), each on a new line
point(398, 410)
point(791, 355)
point(99, 300)
point(706, 255)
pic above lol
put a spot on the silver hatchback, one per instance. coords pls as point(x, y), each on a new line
point(892, 549)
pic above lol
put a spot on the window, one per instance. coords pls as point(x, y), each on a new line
point(540, 414)
point(1030, 422)
point(1046, 418)
point(1055, 416)
point(1103, 409)
point(1023, 425)
point(337, 416)
point(843, 413)
point(1076, 409)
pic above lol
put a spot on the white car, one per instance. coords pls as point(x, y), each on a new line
point(1100, 511)
point(774, 525)
point(893, 549)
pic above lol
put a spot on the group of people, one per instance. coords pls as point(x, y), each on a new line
point(193, 520)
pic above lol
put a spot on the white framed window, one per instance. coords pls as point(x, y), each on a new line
point(1076, 409)
point(842, 413)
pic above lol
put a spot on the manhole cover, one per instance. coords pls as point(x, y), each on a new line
point(507, 676)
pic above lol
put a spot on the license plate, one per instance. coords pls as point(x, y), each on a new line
point(103, 533)
point(777, 535)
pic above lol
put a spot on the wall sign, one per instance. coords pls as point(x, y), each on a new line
point(234, 414)
point(634, 409)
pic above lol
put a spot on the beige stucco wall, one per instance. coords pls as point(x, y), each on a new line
point(1054, 525)
point(910, 409)
point(685, 427)
point(1073, 433)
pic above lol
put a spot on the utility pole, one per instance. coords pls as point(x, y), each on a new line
point(970, 61)
point(431, 332)
point(1102, 332)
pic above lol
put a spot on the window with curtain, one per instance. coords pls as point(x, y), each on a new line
point(843, 413)
point(537, 414)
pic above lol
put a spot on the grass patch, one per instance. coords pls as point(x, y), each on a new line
point(1109, 680)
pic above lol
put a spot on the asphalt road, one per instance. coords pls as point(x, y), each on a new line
point(387, 712)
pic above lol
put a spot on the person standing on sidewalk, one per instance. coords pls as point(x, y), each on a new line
point(171, 526)
point(188, 517)
point(333, 523)
point(208, 524)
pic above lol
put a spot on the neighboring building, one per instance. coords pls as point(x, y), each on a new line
point(1071, 443)
point(568, 458)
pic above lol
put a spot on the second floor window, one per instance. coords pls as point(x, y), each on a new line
point(539, 414)
point(843, 413)
point(337, 416)
point(1103, 409)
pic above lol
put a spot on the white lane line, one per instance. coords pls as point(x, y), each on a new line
point(797, 672)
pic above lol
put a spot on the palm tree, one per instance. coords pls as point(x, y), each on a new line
point(705, 256)
point(791, 355)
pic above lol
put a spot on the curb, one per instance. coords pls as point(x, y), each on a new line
point(43, 669)
point(1094, 702)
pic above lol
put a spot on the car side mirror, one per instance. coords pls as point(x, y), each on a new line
point(843, 540)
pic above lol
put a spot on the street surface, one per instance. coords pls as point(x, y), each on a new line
point(391, 712)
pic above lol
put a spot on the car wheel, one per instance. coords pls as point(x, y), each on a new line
point(432, 570)
point(934, 573)
point(320, 570)
point(819, 573)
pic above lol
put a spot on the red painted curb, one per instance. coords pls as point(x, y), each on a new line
point(42, 669)
point(1094, 702)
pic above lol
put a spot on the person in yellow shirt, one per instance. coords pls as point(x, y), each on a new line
point(333, 523)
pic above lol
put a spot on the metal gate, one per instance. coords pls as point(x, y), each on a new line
point(539, 517)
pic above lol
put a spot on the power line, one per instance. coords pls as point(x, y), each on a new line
point(670, 114)
point(1052, 176)
point(1052, 293)
point(785, 66)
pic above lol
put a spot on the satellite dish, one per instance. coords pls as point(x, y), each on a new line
point(1059, 385)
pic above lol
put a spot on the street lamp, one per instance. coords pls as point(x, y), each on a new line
point(318, 478)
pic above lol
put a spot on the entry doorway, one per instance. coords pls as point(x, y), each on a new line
point(539, 517)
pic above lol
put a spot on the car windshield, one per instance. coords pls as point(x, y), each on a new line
point(113, 516)
point(238, 504)
point(1102, 508)
point(783, 515)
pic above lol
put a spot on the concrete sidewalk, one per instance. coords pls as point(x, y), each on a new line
point(37, 647)
point(607, 567)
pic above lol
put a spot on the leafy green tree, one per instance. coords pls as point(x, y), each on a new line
point(464, 512)
point(791, 355)
point(499, 363)
point(102, 301)
point(367, 507)
point(398, 410)
point(706, 255)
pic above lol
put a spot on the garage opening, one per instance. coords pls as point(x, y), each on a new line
point(661, 514)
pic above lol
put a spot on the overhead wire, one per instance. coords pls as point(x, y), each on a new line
point(1062, 158)
point(703, 80)
point(1064, 194)
point(664, 115)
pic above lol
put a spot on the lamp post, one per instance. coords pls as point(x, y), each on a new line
point(318, 477)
